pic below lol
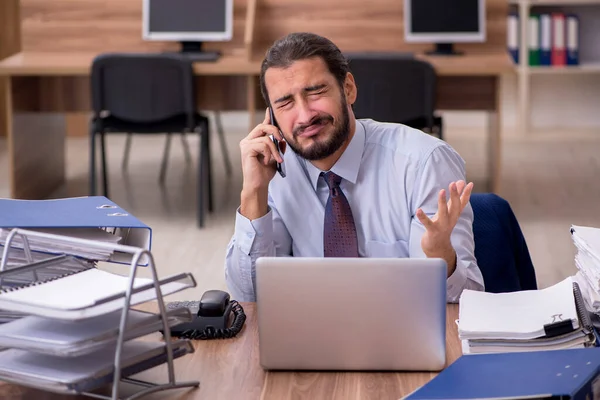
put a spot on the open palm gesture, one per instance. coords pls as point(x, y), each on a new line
point(436, 239)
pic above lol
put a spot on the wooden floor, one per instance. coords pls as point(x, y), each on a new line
point(552, 180)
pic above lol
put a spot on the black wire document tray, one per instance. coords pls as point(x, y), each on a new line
point(72, 328)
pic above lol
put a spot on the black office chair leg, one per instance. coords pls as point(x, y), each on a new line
point(104, 168)
point(92, 160)
point(208, 165)
point(163, 165)
point(221, 132)
point(201, 179)
point(186, 148)
point(125, 161)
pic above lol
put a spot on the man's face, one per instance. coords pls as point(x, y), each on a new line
point(309, 107)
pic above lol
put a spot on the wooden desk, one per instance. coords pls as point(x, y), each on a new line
point(229, 369)
point(37, 88)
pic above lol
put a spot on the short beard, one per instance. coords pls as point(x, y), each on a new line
point(320, 150)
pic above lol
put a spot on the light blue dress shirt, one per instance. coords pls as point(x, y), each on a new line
point(388, 171)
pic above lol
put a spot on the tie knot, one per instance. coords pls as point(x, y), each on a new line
point(333, 180)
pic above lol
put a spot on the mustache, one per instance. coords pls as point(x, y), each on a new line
point(318, 120)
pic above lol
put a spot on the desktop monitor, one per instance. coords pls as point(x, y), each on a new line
point(444, 22)
point(189, 22)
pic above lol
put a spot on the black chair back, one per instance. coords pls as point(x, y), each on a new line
point(143, 88)
point(393, 87)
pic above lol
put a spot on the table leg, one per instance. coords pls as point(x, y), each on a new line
point(494, 144)
point(251, 93)
point(36, 147)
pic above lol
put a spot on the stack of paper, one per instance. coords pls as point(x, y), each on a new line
point(48, 268)
point(547, 319)
point(64, 338)
point(587, 260)
point(61, 244)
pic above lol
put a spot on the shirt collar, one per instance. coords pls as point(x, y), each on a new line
point(348, 164)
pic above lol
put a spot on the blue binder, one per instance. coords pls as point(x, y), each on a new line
point(545, 39)
point(512, 40)
point(77, 212)
point(572, 21)
point(564, 374)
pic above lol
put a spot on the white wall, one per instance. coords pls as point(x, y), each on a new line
point(557, 101)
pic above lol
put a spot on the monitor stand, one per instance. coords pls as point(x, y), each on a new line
point(444, 49)
point(193, 51)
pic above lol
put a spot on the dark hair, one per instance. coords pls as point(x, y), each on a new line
point(300, 46)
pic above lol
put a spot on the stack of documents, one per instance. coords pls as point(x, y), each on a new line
point(549, 319)
point(587, 260)
point(60, 244)
point(47, 268)
point(66, 339)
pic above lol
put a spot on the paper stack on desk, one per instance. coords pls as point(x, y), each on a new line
point(587, 260)
point(59, 245)
point(549, 319)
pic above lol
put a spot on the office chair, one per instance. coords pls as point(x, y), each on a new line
point(500, 248)
point(396, 87)
point(147, 94)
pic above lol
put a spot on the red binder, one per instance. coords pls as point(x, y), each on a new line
point(559, 54)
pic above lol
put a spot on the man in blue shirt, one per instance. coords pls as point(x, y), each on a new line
point(353, 188)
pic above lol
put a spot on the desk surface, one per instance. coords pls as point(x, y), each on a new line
point(229, 369)
point(71, 63)
point(76, 63)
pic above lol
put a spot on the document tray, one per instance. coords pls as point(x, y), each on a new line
point(85, 373)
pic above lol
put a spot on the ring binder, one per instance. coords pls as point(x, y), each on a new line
point(126, 360)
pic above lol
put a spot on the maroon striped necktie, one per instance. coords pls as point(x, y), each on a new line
point(339, 235)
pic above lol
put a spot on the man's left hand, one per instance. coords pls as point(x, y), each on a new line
point(436, 239)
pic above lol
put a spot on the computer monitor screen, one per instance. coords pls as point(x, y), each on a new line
point(188, 21)
point(444, 22)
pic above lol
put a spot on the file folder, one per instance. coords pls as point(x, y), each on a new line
point(545, 39)
point(564, 374)
point(534, 40)
point(513, 36)
point(558, 39)
point(572, 39)
point(79, 212)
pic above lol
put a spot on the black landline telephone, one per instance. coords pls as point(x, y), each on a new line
point(213, 312)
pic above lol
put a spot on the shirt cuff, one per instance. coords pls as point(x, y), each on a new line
point(249, 233)
point(457, 281)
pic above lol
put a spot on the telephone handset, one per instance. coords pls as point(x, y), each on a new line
point(213, 312)
point(280, 167)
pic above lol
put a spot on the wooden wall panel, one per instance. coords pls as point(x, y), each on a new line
point(101, 25)
point(116, 25)
point(356, 25)
point(10, 43)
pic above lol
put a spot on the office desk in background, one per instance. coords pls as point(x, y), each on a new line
point(39, 88)
point(230, 369)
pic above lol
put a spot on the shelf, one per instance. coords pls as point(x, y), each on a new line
point(555, 2)
point(591, 68)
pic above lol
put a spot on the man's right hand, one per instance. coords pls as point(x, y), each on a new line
point(259, 156)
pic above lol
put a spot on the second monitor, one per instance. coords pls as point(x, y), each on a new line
point(444, 23)
point(190, 22)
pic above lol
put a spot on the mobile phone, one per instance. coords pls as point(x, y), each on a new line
point(280, 167)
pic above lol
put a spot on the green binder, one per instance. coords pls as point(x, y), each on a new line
point(534, 40)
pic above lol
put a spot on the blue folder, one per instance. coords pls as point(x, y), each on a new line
point(77, 212)
point(564, 374)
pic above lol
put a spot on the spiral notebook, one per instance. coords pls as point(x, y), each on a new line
point(82, 293)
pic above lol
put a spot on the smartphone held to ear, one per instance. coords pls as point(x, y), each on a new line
point(280, 167)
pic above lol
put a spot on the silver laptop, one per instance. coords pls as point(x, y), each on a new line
point(351, 313)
